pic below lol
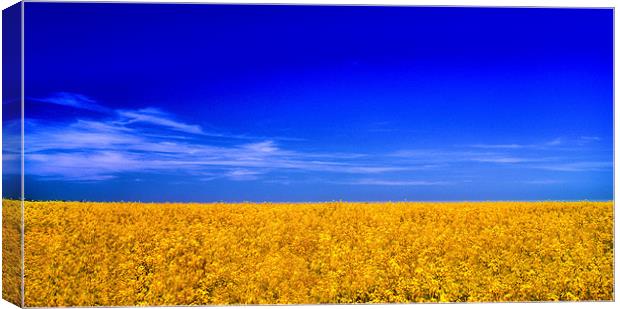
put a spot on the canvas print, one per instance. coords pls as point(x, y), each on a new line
point(211, 154)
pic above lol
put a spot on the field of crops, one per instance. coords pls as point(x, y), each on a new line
point(114, 254)
point(11, 251)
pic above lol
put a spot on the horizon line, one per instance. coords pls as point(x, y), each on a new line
point(317, 202)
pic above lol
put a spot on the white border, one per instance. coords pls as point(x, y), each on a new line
point(497, 3)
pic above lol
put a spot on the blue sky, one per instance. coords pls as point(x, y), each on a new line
point(309, 103)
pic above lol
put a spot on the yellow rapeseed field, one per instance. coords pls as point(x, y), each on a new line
point(114, 254)
point(11, 251)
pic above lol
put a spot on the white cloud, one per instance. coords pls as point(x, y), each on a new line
point(97, 150)
point(591, 138)
point(556, 142)
point(499, 146)
point(150, 140)
point(381, 182)
point(587, 166)
point(73, 100)
point(548, 158)
point(542, 182)
point(243, 174)
point(96, 165)
point(497, 159)
point(262, 147)
point(559, 143)
point(156, 117)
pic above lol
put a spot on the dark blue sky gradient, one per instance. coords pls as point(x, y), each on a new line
point(162, 102)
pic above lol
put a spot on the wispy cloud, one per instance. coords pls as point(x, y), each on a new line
point(243, 174)
point(554, 163)
point(558, 141)
point(139, 141)
point(590, 138)
point(144, 116)
point(587, 166)
point(542, 182)
point(262, 147)
point(446, 156)
point(505, 159)
point(157, 117)
point(85, 166)
point(499, 146)
point(555, 142)
point(153, 141)
point(550, 156)
point(73, 100)
point(383, 182)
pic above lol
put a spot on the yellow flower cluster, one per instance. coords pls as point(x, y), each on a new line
point(121, 254)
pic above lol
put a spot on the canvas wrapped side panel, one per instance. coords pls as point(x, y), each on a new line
point(12, 193)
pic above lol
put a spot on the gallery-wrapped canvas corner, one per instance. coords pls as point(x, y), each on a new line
point(211, 154)
point(12, 194)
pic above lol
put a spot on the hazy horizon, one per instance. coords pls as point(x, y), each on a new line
point(319, 202)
